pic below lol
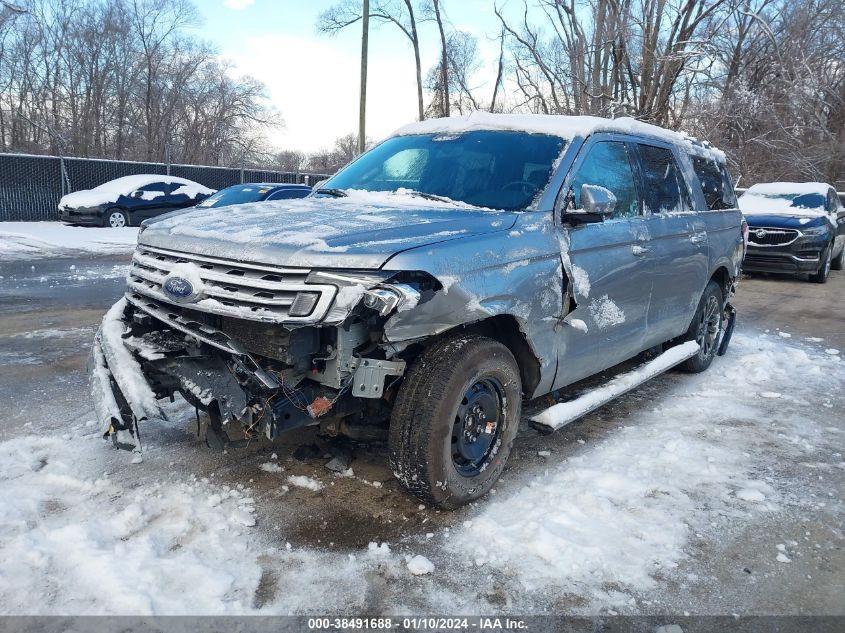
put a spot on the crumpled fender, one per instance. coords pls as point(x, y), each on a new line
point(519, 275)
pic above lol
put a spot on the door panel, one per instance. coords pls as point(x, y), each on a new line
point(611, 269)
point(678, 241)
point(146, 208)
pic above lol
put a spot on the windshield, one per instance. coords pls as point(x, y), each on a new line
point(797, 200)
point(237, 194)
point(495, 169)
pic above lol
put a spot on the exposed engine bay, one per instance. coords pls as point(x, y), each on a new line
point(250, 375)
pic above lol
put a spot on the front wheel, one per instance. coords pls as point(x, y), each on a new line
point(705, 329)
point(455, 419)
point(824, 270)
point(115, 218)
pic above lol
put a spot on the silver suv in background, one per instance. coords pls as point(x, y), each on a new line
point(456, 268)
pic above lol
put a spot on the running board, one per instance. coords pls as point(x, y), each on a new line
point(563, 413)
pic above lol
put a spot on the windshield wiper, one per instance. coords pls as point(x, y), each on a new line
point(335, 193)
point(430, 196)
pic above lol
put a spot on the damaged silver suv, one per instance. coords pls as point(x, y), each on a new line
point(458, 267)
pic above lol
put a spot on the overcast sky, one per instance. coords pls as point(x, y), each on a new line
point(312, 79)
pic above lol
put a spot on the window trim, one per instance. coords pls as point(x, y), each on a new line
point(584, 151)
point(680, 168)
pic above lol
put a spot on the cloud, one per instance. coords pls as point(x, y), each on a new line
point(314, 83)
point(239, 5)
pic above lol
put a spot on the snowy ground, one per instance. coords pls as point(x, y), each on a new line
point(29, 240)
point(714, 494)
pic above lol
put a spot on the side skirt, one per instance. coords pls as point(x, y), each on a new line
point(563, 413)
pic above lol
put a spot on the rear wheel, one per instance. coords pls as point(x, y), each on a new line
point(115, 218)
point(838, 262)
point(455, 419)
point(705, 329)
point(824, 270)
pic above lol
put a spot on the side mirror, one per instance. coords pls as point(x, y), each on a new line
point(597, 200)
point(597, 203)
point(137, 194)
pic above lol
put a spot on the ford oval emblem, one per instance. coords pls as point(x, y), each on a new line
point(179, 288)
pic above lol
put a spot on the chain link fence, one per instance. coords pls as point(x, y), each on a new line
point(31, 186)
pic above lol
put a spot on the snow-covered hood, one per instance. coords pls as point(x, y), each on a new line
point(362, 230)
point(88, 198)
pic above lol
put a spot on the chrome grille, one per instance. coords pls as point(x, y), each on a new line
point(764, 236)
point(236, 289)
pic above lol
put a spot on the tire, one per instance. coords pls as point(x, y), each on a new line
point(838, 262)
point(823, 273)
point(705, 329)
point(438, 440)
point(115, 218)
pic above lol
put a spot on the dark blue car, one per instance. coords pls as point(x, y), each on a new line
point(130, 200)
point(796, 228)
point(255, 192)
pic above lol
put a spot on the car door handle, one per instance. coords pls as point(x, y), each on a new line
point(697, 238)
point(638, 250)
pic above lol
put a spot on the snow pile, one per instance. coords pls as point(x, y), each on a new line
point(29, 240)
point(302, 481)
point(622, 511)
point(420, 566)
point(94, 547)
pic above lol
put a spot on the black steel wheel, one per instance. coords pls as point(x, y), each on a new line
point(454, 420)
point(477, 426)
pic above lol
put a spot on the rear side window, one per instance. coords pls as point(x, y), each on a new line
point(665, 189)
point(715, 183)
point(288, 194)
point(608, 166)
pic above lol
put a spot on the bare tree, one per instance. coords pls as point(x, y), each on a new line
point(123, 79)
point(400, 13)
point(463, 63)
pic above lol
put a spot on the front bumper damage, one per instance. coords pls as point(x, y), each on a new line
point(122, 396)
point(146, 351)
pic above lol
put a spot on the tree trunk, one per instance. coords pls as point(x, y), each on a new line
point(415, 41)
point(444, 59)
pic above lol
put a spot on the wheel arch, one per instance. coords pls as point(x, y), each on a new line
point(505, 329)
point(723, 277)
point(116, 207)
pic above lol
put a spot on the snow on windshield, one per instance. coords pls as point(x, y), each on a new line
point(486, 168)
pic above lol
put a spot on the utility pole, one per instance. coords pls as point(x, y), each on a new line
point(362, 109)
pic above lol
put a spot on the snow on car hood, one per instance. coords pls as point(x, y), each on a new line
point(87, 198)
point(362, 230)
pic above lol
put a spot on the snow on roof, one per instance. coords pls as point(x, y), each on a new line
point(127, 184)
point(564, 126)
point(788, 188)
